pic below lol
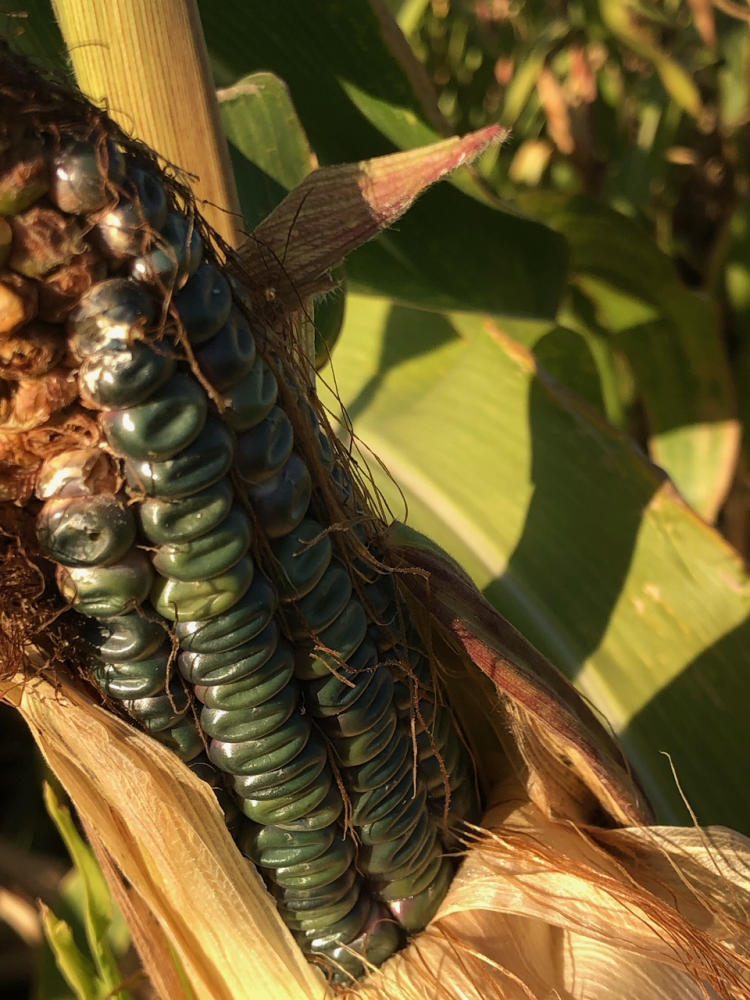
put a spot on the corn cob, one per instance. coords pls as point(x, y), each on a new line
point(183, 486)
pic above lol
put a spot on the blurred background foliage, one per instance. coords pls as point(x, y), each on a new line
point(641, 107)
point(550, 354)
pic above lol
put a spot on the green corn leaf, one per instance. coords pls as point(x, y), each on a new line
point(573, 535)
point(524, 80)
point(567, 353)
point(271, 156)
point(410, 13)
point(618, 17)
point(97, 906)
point(269, 148)
point(579, 314)
point(77, 969)
point(34, 31)
point(670, 335)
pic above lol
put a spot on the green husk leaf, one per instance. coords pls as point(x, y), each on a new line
point(97, 906)
point(269, 149)
point(77, 969)
point(336, 209)
point(565, 730)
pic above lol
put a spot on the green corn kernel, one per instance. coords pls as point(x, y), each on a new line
point(165, 424)
point(178, 600)
point(179, 521)
point(85, 531)
point(251, 399)
point(209, 555)
point(106, 591)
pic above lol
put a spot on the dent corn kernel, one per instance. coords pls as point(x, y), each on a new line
point(187, 512)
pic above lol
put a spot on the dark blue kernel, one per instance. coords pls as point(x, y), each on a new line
point(302, 557)
point(204, 303)
point(82, 173)
point(228, 357)
point(175, 256)
point(251, 399)
point(262, 451)
point(126, 227)
point(110, 316)
point(125, 377)
point(198, 466)
point(322, 606)
point(280, 503)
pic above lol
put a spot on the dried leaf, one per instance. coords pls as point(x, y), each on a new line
point(539, 910)
point(165, 832)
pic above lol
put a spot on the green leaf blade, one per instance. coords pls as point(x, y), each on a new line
point(571, 533)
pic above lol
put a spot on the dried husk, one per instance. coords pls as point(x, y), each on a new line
point(165, 832)
point(541, 909)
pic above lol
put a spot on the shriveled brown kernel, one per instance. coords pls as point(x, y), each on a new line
point(6, 236)
point(31, 351)
point(65, 430)
point(35, 400)
point(18, 301)
point(43, 240)
point(59, 292)
point(24, 177)
point(18, 469)
point(77, 472)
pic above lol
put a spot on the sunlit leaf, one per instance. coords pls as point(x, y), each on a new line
point(571, 533)
point(97, 908)
point(671, 337)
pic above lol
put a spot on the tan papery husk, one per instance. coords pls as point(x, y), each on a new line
point(540, 910)
point(165, 832)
